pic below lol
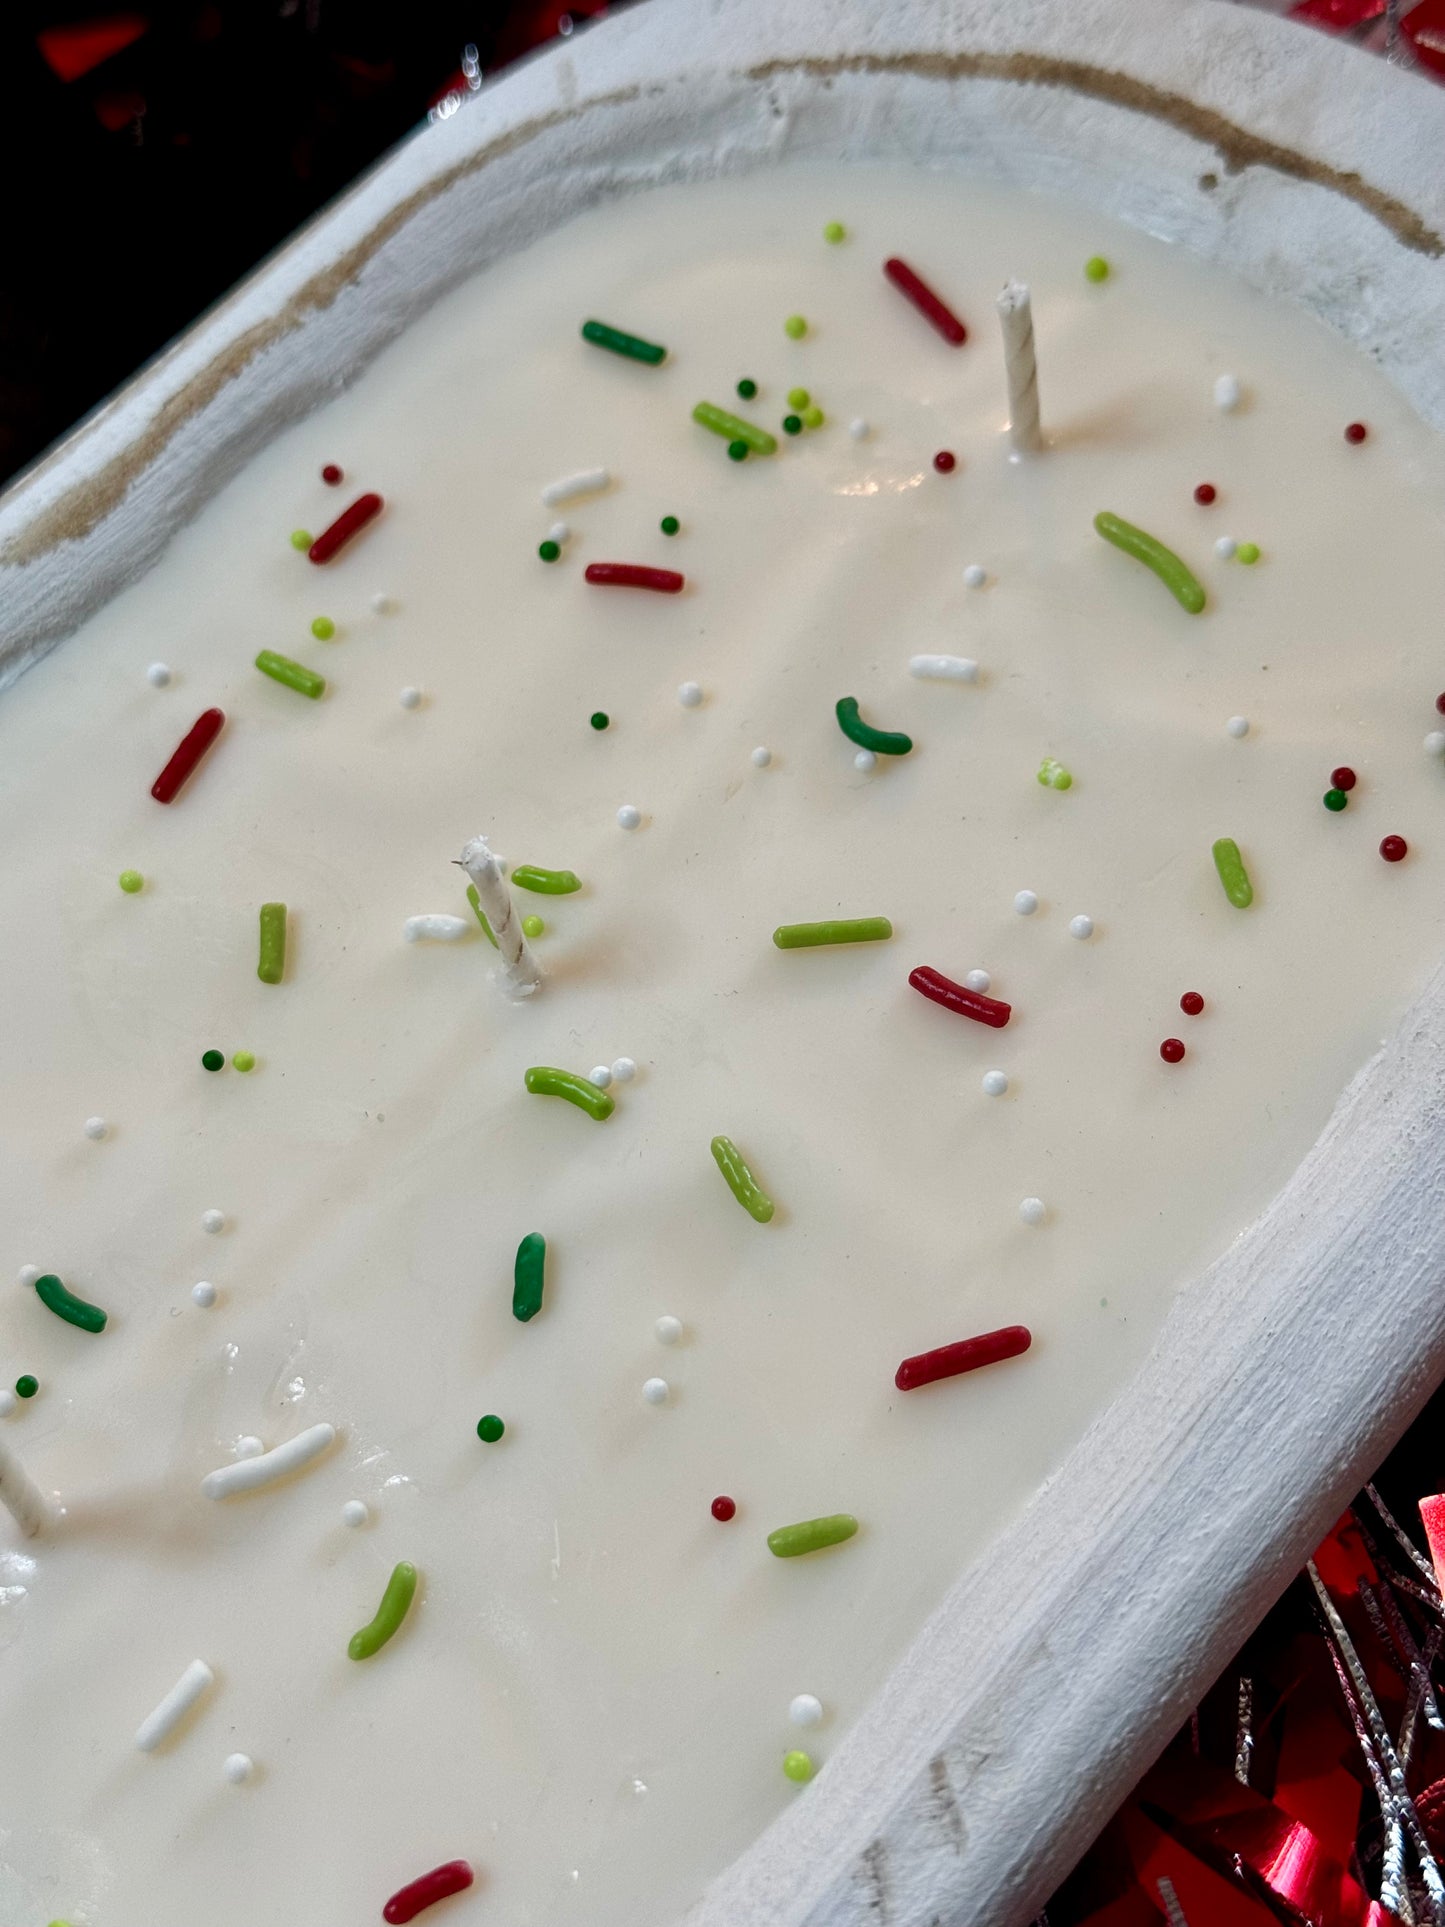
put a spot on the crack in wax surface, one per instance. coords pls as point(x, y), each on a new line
point(589, 1698)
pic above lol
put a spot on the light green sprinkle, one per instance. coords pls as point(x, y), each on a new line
point(244, 1060)
point(546, 883)
point(1053, 775)
point(130, 881)
point(532, 926)
point(1232, 873)
point(1247, 552)
point(302, 538)
point(323, 628)
point(734, 428)
point(798, 1767)
point(834, 231)
point(811, 1535)
point(475, 901)
point(741, 1182)
point(271, 967)
point(395, 1604)
point(795, 327)
point(293, 674)
point(1185, 587)
point(543, 1081)
point(1096, 268)
point(813, 416)
point(798, 398)
point(808, 936)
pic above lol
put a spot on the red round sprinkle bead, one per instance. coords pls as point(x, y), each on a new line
point(1191, 1003)
point(332, 475)
point(1204, 494)
point(723, 1508)
point(1171, 1050)
point(1356, 432)
point(1343, 778)
point(1393, 848)
point(1440, 703)
point(945, 461)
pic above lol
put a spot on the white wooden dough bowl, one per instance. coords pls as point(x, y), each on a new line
point(1056, 1669)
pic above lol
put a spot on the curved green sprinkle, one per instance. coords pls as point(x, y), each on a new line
point(811, 1535)
point(741, 1182)
point(527, 1276)
point(547, 883)
point(272, 966)
point(807, 936)
point(734, 428)
point(1232, 873)
point(1186, 588)
point(53, 1295)
point(633, 346)
point(542, 1081)
point(395, 1603)
point(293, 674)
point(475, 901)
point(884, 742)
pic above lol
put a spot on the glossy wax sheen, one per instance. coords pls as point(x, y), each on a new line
point(588, 1702)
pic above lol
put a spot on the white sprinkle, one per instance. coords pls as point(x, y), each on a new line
point(212, 1220)
point(248, 1446)
point(237, 1768)
point(163, 1719)
point(158, 675)
point(865, 760)
point(1238, 726)
point(859, 429)
point(629, 816)
point(27, 1274)
point(355, 1513)
point(559, 532)
point(655, 1391)
point(203, 1294)
point(762, 756)
point(668, 1330)
point(1227, 394)
point(623, 1069)
point(382, 603)
point(994, 1083)
point(600, 1075)
point(271, 1465)
point(1026, 902)
point(8, 1402)
point(96, 1128)
point(1435, 743)
point(1081, 926)
point(1224, 548)
point(1032, 1211)
point(943, 668)
point(978, 980)
point(975, 575)
point(436, 924)
point(410, 697)
point(805, 1710)
point(689, 694)
point(586, 481)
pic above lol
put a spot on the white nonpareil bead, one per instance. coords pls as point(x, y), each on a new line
point(96, 1128)
point(212, 1220)
point(994, 1083)
point(1224, 548)
point(1227, 394)
point(410, 697)
point(1238, 726)
point(354, 1513)
point(1026, 902)
point(865, 760)
point(762, 756)
point(600, 1075)
point(978, 980)
point(203, 1294)
point(1032, 1210)
point(238, 1768)
point(805, 1710)
point(629, 816)
point(1435, 743)
point(1081, 926)
point(655, 1391)
point(624, 1069)
point(668, 1329)
point(858, 429)
point(975, 575)
point(689, 694)
point(158, 675)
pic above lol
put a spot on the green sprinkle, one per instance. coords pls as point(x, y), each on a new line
point(244, 1060)
point(546, 883)
point(737, 451)
point(527, 1277)
point(532, 926)
point(26, 1386)
point(1096, 268)
point(798, 1767)
point(633, 346)
point(272, 965)
point(807, 936)
point(798, 398)
point(323, 628)
point(747, 388)
point(212, 1060)
point(475, 901)
point(734, 428)
point(282, 669)
point(302, 538)
point(1247, 552)
point(543, 1081)
point(883, 742)
point(792, 424)
point(395, 1603)
point(835, 231)
point(549, 550)
point(1185, 588)
point(130, 881)
point(1053, 775)
point(53, 1295)
point(813, 416)
point(741, 1182)
point(1232, 873)
point(669, 525)
point(1335, 799)
point(490, 1429)
point(811, 1535)
point(599, 719)
point(795, 327)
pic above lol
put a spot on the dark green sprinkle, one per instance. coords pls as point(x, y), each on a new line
point(792, 425)
point(213, 1060)
point(26, 1386)
point(747, 388)
point(600, 719)
point(669, 525)
point(490, 1429)
point(738, 451)
point(527, 1276)
point(549, 551)
point(621, 343)
point(1335, 799)
point(75, 1311)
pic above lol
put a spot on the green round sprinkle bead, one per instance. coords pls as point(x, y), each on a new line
point(1335, 799)
point(302, 538)
point(532, 926)
point(212, 1060)
point(792, 425)
point(747, 388)
point(323, 628)
point(813, 417)
point(1096, 268)
point(835, 231)
point(600, 719)
point(244, 1060)
point(798, 1767)
point(737, 451)
point(1247, 552)
point(798, 398)
point(549, 551)
point(26, 1386)
point(795, 327)
point(130, 881)
point(669, 525)
point(490, 1429)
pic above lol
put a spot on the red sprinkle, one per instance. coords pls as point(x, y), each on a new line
point(631, 575)
point(723, 1507)
point(189, 751)
point(1393, 848)
point(453, 1878)
point(945, 461)
point(968, 1003)
point(926, 301)
point(1205, 494)
point(966, 1356)
point(1343, 778)
point(332, 475)
point(1356, 432)
point(350, 522)
point(1191, 1003)
point(1171, 1050)
point(1440, 703)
